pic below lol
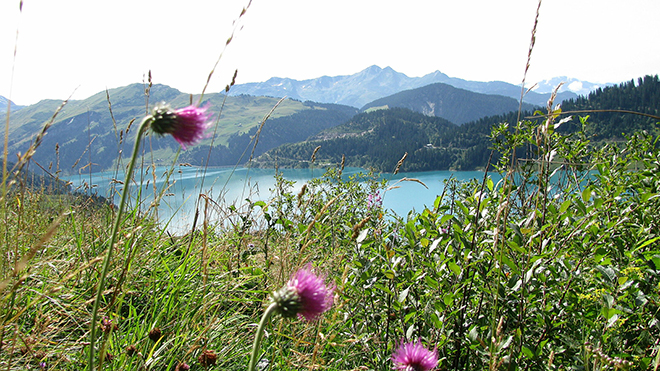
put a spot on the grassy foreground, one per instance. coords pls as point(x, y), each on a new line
point(555, 267)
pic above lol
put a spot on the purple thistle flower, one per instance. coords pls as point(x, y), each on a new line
point(374, 201)
point(414, 357)
point(305, 295)
point(186, 125)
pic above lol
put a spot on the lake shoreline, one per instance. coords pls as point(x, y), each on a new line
point(230, 185)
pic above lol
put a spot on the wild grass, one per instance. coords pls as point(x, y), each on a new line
point(570, 283)
point(556, 267)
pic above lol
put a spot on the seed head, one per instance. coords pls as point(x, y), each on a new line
point(131, 350)
point(107, 325)
point(207, 358)
point(155, 334)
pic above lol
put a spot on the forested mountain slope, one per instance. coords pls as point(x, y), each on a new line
point(456, 105)
point(378, 139)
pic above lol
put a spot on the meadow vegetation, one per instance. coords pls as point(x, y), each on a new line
point(556, 266)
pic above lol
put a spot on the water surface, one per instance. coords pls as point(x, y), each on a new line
point(228, 186)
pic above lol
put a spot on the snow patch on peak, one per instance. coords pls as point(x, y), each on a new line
point(575, 86)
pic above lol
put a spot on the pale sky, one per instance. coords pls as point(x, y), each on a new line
point(91, 45)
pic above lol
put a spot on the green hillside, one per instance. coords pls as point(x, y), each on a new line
point(84, 131)
point(376, 139)
point(456, 105)
point(293, 128)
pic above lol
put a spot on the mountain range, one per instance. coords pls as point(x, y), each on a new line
point(374, 82)
point(4, 102)
point(92, 134)
point(88, 133)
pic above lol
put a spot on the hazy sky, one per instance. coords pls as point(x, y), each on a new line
point(90, 45)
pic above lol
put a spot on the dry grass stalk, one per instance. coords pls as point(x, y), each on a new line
point(261, 126)
point(343, 163)
point(398, 164)
point(231, 37)
point(22, 264)
point(316, 218)
point(301, 194)
point(358, 227)
point(24, 158)
point(314, 153)
point(529, 58)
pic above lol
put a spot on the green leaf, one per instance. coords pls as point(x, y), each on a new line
point(609, 301)
point(505, 344)
point(434, 245)
point(647, 196)
point(506, 260)
point(408, 316)
point(598, 202)
point(446, 218)
point(410, 331)
point(656, 261)
point(607, 272)
point(363, 234)
point(402, 295)
point(473, 334)
point(612, 320)
point(528, 352)
point(382, 288)
point(640, 299)
point(431, 282)
point(586, 194)
point(436, 320)
point(454, 268)
point(514, 245)
point(437, 202)
point(646, 243)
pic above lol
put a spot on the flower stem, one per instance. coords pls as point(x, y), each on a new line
point(113, 237)
point(258, 337)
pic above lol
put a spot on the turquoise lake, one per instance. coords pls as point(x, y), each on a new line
point(224, 186)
